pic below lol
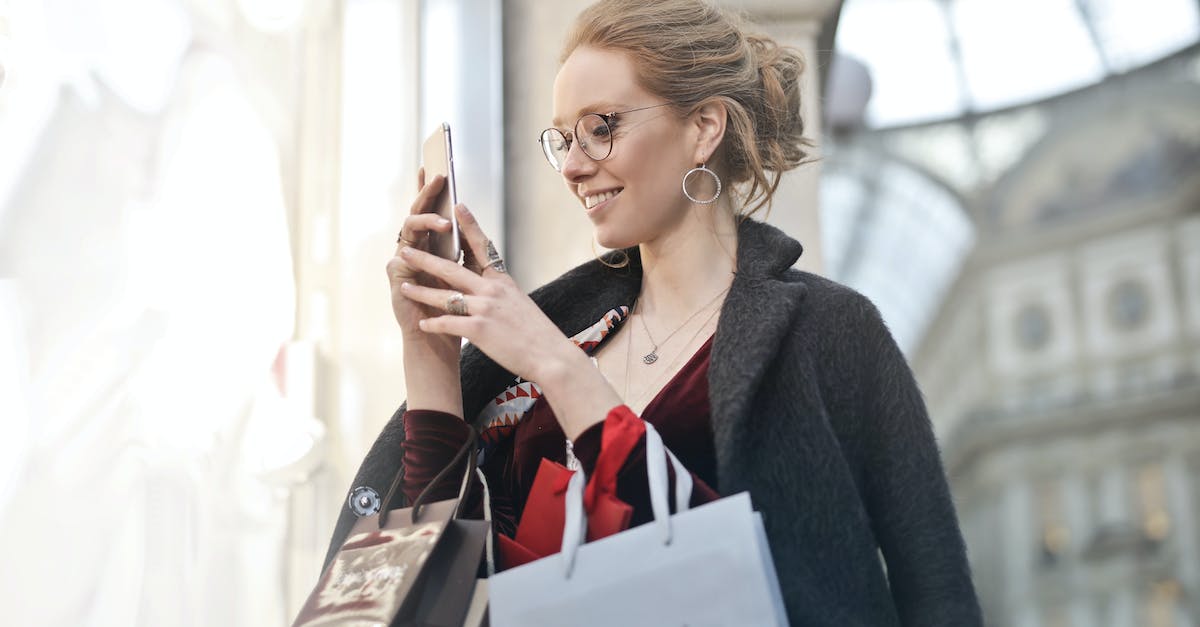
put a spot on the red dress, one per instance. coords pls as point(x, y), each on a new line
point(514, 444)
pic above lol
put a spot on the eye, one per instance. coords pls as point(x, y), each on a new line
point(593, 129)
point(601, 132)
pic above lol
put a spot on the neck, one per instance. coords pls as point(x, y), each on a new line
point(689, 265)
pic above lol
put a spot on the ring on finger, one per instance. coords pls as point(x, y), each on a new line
point(456, 304)
point(494, 259)
point(400, 239)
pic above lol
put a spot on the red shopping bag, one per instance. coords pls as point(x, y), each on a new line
point(539, 533)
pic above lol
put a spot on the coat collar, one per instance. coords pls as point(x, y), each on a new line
point(757, 314)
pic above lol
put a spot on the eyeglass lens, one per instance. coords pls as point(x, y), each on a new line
point(591, 131)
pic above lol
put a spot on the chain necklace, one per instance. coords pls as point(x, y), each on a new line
point(652, 356)
point(654, 384)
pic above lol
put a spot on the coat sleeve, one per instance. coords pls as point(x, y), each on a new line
point(905, 488)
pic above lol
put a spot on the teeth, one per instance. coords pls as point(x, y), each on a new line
point(593, 200)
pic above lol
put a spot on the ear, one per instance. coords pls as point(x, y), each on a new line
point(708, 121)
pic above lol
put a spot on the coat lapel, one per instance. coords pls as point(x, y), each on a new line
point(758, 313)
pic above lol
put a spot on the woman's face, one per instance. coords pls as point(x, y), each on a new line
point(651, 150)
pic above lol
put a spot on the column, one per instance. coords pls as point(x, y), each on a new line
point(312, 365)
point(1018, 545)
point(796, 206)
point(314, 184)
point(546, 231)
point(1183, 533)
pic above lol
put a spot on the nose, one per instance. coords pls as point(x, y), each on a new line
point(577, 165)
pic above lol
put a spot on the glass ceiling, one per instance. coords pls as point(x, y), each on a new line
point(895, 235)
point(937, 59)
point(892, 214)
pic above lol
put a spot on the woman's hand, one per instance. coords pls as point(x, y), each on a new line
point(494, 313)
point(488, 308)
point(415, 234)
point(430, 361)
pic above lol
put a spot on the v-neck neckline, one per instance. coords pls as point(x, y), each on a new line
point(692, 363)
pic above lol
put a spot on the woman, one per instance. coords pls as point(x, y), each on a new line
point(671, 125)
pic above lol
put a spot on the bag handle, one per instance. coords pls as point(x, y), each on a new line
point(575, 525)
point(419, 502)
point(657, 476)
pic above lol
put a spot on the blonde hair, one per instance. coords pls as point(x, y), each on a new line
point(688, 52)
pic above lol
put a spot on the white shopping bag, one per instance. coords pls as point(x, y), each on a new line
point(706, 566)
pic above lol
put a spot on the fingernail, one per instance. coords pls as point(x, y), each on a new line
point(405, 286)
point(443, 222)
point(407, 251)
point(421, 324)
point(463, 210)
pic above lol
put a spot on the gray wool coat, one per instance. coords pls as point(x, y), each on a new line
point(816, 413)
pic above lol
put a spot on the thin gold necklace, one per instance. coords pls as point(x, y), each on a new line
point(652, 356)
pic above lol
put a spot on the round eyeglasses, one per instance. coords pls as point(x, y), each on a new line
point(593, 131)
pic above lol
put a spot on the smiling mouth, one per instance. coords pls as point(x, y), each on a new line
point(592, 200)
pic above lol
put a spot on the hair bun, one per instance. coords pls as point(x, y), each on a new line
point(780, 136)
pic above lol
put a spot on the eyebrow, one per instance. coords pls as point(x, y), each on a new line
point(605, 106)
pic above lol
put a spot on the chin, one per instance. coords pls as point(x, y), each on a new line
point(613, 240)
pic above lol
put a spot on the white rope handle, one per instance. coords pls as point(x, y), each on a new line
point(657, 471)
point(575, 525)
point(683, 485)
point(490, 551)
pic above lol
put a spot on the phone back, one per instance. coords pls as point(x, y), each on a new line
point(437, 158)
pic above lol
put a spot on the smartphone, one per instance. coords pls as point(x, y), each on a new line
point(437, 156)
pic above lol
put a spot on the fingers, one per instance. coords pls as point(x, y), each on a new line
point(440, 298)
point(417, 227)
point(458, 326)
point(482, 250)
point(398, 272)
point(427, 194)
point(420, 177)
point(419, 224)
point(461, 324)
point(448, 271)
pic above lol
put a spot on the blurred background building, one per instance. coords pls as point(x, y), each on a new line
point(197, 200)
point(1024, 210)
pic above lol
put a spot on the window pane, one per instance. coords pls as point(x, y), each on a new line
point(905, 46)
point(905, 245)
point(1022, 50)
point(1135, 32)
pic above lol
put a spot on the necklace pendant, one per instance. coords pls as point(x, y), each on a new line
point(649, 358)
